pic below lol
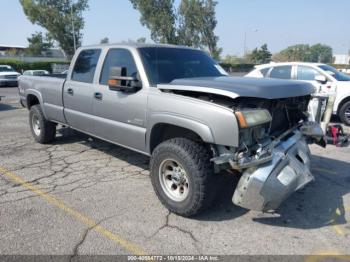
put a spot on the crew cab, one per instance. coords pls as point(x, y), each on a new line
point(180, 108)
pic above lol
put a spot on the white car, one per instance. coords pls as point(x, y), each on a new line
point(325, 78)
point(8, 76)
point(36, 73)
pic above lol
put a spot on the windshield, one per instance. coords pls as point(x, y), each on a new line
point(6, 69)
point(335, 73)
point(163, 64)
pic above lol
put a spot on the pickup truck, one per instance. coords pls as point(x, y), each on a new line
point(178, 106)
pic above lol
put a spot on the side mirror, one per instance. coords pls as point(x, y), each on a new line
point(321, 78)
point(119, 81)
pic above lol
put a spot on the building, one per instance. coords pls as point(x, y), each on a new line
point(5, 48)
point(341, 59)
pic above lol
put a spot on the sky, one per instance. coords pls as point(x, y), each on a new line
point(278, 23)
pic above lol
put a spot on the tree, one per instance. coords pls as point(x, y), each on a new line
point(306, 53)
point(58, 17)
point(192, 23)
point(38, 44)
point(260, 56)
point(104, 40)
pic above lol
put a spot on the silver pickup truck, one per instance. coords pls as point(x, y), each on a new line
point(178, 106)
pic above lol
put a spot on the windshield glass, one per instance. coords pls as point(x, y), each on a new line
point(163, 64)
point(6, 69)
point(335, 73)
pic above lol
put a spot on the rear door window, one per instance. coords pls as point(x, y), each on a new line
point(281, 72)
point(264, 71)
point(85, 66)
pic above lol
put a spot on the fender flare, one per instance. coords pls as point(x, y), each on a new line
point(196, 126)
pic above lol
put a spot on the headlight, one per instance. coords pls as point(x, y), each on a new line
point(254, 117)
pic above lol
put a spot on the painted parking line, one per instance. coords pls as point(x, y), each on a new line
point(337, 228)
point(128, 246)
point(325, 256)
point(323, 170)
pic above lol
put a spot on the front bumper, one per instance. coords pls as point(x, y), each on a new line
point(264, 187)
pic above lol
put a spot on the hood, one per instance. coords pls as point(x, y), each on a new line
point(234, 87)
point(9, 73)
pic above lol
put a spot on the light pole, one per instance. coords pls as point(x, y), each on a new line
point(245, 49)
point(73, 29)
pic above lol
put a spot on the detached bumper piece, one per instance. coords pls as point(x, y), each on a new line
point(264, 188)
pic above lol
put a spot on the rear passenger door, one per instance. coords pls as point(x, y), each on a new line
point(78, 91)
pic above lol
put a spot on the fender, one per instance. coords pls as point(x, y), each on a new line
point(38, 95)
point(178, 120)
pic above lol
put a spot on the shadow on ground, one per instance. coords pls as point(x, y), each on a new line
point(6, 107)
point(318, 205)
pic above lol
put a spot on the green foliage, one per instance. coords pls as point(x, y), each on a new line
point(159, 17)
point(260, 56)
point(38, 44)
point(23, 66)
point(306, 53)
point(104, 40)
point(191, 24)
point(55, 16)
point(232, 60)
point(243, 67)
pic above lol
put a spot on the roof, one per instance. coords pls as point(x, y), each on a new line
point(288, 63)
point(8, 46)
point(136, 45)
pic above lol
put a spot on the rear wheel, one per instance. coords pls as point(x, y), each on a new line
point(183, 176)
point(43, 130)
point(344, 113)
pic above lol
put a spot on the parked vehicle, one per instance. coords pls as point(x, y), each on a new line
point(8, 76)
point(323, 77)
point(36, 73)
point(178, 106)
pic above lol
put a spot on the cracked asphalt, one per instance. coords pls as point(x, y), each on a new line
point(111, 186)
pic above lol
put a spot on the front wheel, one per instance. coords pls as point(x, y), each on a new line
point(344, 113)
point(182, 176)
point(43, 130)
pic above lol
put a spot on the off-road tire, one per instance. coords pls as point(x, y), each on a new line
point(47, 128)
point(342, 111)
point(195, 159)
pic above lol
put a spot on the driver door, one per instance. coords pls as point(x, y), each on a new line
point(120, 116)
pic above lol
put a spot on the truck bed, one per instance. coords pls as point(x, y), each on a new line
point(49, 88)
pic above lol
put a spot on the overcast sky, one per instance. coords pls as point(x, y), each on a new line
point(278, 23)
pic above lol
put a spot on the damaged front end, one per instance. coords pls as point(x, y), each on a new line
point(273, 156)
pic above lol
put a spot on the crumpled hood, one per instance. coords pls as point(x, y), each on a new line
point(241, 87)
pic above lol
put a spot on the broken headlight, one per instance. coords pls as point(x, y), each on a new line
point(252, 117)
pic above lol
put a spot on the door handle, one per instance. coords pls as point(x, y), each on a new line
point(70, 91)
point(98, 96)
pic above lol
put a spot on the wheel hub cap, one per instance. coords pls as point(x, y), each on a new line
point(173, 180)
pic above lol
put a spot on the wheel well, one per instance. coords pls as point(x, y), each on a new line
point(32, 100)
point(347, 99)
point(163, 132)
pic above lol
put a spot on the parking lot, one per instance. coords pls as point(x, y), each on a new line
point(84, 196)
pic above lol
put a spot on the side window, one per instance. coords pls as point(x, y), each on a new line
point(306, 73)
point(85, 65)
point(118, 58)
point(281, 72)
point(264, 71)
